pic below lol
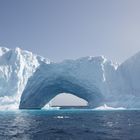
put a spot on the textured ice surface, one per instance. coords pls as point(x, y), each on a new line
point(16, 66)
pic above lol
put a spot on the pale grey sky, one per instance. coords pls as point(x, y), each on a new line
point(60, 29)
point(72, 100)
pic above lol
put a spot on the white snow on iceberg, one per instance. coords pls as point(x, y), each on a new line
point(16, 66)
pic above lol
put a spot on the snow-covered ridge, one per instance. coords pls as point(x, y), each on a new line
point(16, 66)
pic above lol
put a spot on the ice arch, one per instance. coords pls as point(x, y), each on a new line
point(48, 89)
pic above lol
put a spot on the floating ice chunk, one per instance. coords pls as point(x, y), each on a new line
point(105, 107)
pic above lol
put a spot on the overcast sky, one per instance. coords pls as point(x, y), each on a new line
point(64, 29)
point(60, 29)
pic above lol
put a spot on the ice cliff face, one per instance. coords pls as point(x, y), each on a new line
point(129, 72)
point(16, 66)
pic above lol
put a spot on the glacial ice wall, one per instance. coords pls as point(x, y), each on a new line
point(16, 66)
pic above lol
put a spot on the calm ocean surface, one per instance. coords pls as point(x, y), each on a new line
point(73, 124)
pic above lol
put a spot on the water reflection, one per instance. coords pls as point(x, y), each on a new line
point(19, 125)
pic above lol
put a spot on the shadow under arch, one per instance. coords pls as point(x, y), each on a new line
point(48, 89)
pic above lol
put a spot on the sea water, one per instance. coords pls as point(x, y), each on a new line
point(70, 124)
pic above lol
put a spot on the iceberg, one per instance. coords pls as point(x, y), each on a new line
point(29, 81)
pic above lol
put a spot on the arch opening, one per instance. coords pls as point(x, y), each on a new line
point(67, 100)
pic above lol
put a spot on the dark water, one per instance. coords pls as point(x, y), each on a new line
point(70, 125)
